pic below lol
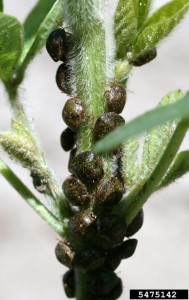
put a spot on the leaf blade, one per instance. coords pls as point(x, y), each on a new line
point(34, 20)
point(143, 11)
point(1, 5)
point(11, 44)
point(159, 25)
point(130, 164)
point(158, 138)
point(125, 25)
point(155, 117)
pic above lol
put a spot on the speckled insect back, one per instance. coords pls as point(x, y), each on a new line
point(76, 191)
point(56, 44)
point(64, 253)
point(88, 167)
point(115, 98)
point(109, 191)
point(62, 79)
point(72, 113)
point(107, 123)
point(83, 225)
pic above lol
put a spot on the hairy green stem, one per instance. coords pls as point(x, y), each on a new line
point(90, 64)
point(130, 207)
point(30, 198)
point(16, 105)
point(90, 69)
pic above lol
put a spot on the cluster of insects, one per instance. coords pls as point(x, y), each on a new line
point(96, 235)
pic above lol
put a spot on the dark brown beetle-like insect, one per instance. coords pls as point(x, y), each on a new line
point(145, 58)
point(136, 224)
point(90, 259)
point(62, 79)
point(76, 191)
point(87, 166)
point(109, 191)
point(56, 44)
point(107, 123)
point(112, 260)
point(82, 225)
point(115, 98)
point(111, 230)
point(67, 139)
point(68, 281)
point(127, 248)
point(103, 283)
point(72, 113)
point(64, 253)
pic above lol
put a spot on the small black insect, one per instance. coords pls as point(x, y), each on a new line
point(90, 259)
point(145, 58)
point(127, 248)
point(68, 281)
point(67, 139)
point(117, 290)
point(136, 224)
point(72, 113)
point(88, 167)
point(109, 191)
point(104, 282)
point(83, 225)
point(56, 44)
point(111, 230)
point(40, 184)
point(62, 79)
point(64, 253)
point(107, 123)
point(112, 260)
point(115, 98)
point(75, 191)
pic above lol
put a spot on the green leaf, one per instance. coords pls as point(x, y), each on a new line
point(1, 5)
point(179, 168)
point(160, 24)
point(158, 138)
point(22, 147)
point(11, 43)
point(125, 25)
point(143, 11)
point(52, 21)
point(155, 117)
point(130, 167)
point(34, 20)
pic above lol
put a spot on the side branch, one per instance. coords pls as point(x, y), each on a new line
point(30, 198)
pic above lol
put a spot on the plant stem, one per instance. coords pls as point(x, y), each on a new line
point(30, 198)
point(130, 207)
point(90, 64)
point(82, 281)
point(16, 105)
